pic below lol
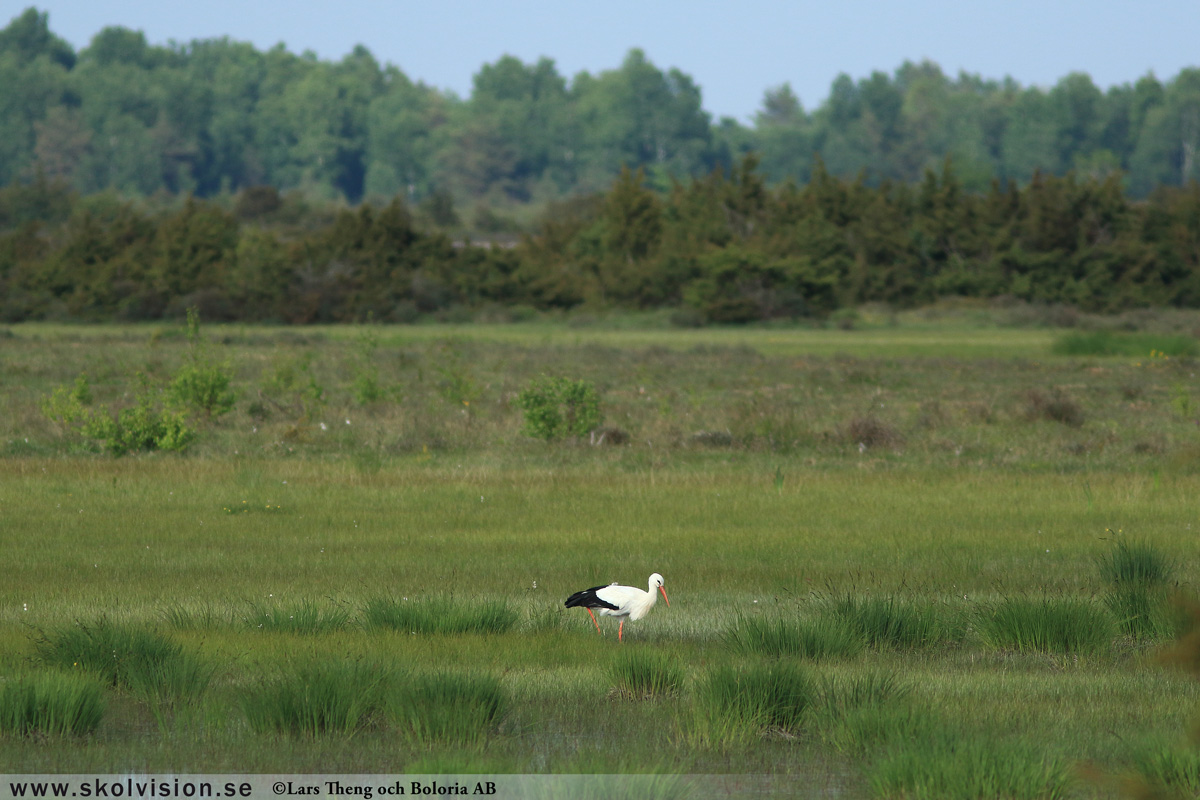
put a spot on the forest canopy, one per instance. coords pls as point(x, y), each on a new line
point(138, 181)
point(216, 116)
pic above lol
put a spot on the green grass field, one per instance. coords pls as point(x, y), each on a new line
point(922, 558)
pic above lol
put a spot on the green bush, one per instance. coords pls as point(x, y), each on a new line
point(144, 426)
point(559, 407)
point(200, 385)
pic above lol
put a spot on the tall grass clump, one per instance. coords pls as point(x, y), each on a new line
point(1108, 343)
point(1055, 406)
point(956, 767)
point(204, 618)
point(1046, 625)
point(1167, 771)
point(889, 622)
point(1135, 562)
point(440, 615)
point(312, 699)
point(1138, 575)
point(304, 618)
point(874, 727)
point(736, 705)
point(821, 637)
point(644, 672)
point(50, 704)
point(140, 660)
point(856, 713)
point(450, 708)
point(842, 694)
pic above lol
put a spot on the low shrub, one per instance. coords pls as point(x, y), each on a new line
point(559, 407)
point(143, 426)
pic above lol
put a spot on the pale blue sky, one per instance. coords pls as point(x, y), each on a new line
point(733, 50)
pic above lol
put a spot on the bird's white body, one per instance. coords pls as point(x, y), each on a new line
point(622, 602)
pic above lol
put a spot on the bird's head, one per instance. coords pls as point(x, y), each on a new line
point(657, 582)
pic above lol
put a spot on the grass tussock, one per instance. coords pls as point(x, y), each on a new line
point(1138, 575)
point(1067, 625)
point(313, 699)
point(952, 766)
point(1111, 343)
point(1166, 771)
point(306, 618)
point(894, 623)
point(859, 713)
point(206, 617)
point(448, 708)
point(130, 657)
point(842, 694)
point(736, 705)
point(871, 432)
point(1135, 561)
point(817, 638)
point(440, 615)
point(1055, 406)
point(871, 728)
point(50, 704)
point(640, 672)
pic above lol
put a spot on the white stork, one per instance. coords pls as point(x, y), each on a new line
point(619, 601)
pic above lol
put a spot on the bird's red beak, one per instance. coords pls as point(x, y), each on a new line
point(663, 589)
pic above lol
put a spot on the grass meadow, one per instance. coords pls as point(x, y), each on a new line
point(931, 555)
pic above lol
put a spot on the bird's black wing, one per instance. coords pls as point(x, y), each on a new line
point(589, 599)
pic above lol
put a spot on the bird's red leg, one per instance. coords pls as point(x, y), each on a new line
point(620, 630)
point(593, 616)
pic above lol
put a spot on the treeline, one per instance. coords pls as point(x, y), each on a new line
point(725, 248)
point(213, 117)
